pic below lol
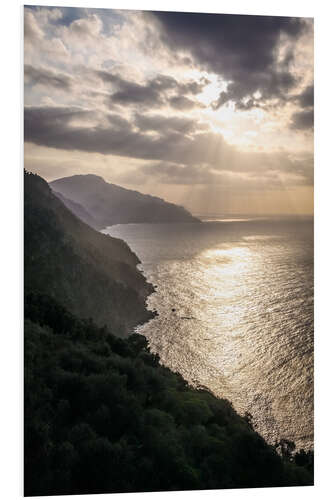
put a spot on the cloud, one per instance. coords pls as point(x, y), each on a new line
point(156, 92)
point(86, 29)
point(306, 98)
point(130, 92)
point(161, 123)
point(179, 142)
point(60, 127)
point(32, 31)
point(193, 87)
point(243, 105)
point(173, 174)
point(49, 47)
point(303, 120)
point(243, 50)
point(271, 85)
point(47, 77)
point(183, 103)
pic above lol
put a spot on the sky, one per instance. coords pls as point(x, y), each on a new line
point(210, 111)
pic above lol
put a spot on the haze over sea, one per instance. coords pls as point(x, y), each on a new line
point(235, 312)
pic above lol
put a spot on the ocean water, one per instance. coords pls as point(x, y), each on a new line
point(235, 313)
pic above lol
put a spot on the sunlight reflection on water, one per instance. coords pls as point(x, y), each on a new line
point(243, 319)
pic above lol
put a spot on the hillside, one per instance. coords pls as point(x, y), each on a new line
point(79, 211)
point(109, 204)
point(103, 416)
point(91, 274)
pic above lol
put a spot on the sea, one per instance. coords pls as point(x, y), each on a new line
point(234, 297)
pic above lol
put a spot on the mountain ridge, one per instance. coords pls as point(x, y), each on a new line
point(111, 204)
point(78, 210)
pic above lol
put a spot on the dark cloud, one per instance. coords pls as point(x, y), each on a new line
point(183, 103)
point(118, 121)
point(273, 84)
point(306, 98)
point(303, 120)
point(39, 121)
point(160, 123)
point(163, 82)
point(130, 92)
point(56, 127)
point(47, 77)
point(246, 105)
point(137, 94)
point(242, 49)
point(193, 87)
point(155, 92)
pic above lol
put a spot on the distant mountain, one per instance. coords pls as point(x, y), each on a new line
point(110, 204)
point(89, 273)
point(79, 211)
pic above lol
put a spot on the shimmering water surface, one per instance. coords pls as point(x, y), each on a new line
point(235, 304)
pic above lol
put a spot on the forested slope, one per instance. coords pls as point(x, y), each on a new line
point(91, 274)
point(102, 416)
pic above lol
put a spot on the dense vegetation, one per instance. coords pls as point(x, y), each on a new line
point(91, 274)
point(101, 415)
point(110, 204)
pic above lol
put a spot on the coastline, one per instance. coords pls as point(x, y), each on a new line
point(153, 309)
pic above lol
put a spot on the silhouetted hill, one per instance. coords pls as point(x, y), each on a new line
point(91, 274)
point(79, 211)
point(110, 204)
